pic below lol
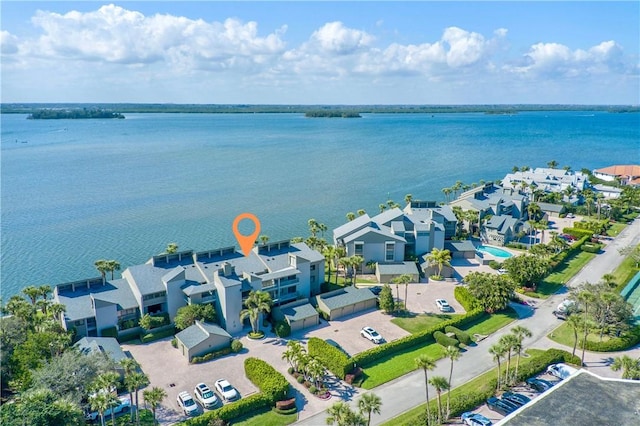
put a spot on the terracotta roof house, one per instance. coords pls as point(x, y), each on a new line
point(628, 174)
point(222, 277)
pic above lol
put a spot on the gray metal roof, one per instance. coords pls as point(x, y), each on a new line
point(582, 399)
point(348, 296)
point(196, 288)
point(199, 332)
point(281, 273)
point(299, 313)
point(78, 303)
point(374, 235)
point(388, 216)
point(398, 268)
point(147, 278)
point(307, 252)
point(397, 226)
point(105, 345)
point(353, 225)
point(549, 207)
point(464, 245)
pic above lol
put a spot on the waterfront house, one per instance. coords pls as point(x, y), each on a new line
point(628, 174)
point(222, 277)
point(546, 179)
point(501, 230)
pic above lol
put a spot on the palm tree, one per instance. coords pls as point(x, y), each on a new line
point(171, 248)
point(508, 341)
point(32, 292)
point(446, 192)
point(361, 212)
point(453, 353)
point(403, 279)
point(382, 207)
point(338, 413)
point(585, 298)
point(439, 383)
point(351, 216)
point(329, 253)
point(630, 367)
point(257, 302)
point(154, 397)
point(56, 309)
point(113, 265)
point(130, 366)
point(427, 364)
point(102, 266)
point(371, 265)
point(408, 198)
point(552, 164)
point(439, 258)
point(520, 332)
point(575, 323)
point(369, 403)
point(106, 383)
point(137, 381)
point(45, 291)
point(498, 351)
point(355, 262)
point(264, 239)
point(100, 402)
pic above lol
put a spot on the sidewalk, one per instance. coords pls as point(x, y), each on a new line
point(407, 392)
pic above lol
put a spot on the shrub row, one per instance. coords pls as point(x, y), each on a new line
point(445, 340)
point(462, 336)
point(331, 357)
point(155, 335)
point(288, 411)
point(516, 245)
point(109, 332)
point(465, 298)
point(271, 383)
point(591, 247)
point(211, 355)
point(576, 232)
point(421, 338)
point(228, 412)
point(575, 247)
point(626, 341)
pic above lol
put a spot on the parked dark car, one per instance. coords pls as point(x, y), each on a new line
point(539, 384)
point(518, 398)
point(500, 406)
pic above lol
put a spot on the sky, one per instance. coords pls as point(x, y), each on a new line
point(268, 52)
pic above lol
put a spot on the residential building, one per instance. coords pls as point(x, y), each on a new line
point(167, 282)
point(628, 174)
point(201, 338)
point(545, 179)
point(501, 230)
point(493, 200)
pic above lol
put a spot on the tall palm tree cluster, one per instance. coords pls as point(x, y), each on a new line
point(459, 187)
point(341, 414)
point(304, 364)
point(509, 345)
point(257, 303)
point(439, 383)
point(103, 266)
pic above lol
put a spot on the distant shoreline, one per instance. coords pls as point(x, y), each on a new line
point(30, 108)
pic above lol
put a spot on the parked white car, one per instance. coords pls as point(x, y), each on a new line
point(188, 405)
point(205, 395)
point(561, 371)
point(443, 305)
point(123, 407)
point(224, 388)
point(370, 334)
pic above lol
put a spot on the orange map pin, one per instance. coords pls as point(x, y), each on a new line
point(246, 241)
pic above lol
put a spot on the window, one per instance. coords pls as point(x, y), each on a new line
point(154, 295)
point(313, 267)
point(358, 247)
point(389, 249)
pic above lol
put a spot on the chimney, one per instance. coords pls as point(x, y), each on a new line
point(227, 269)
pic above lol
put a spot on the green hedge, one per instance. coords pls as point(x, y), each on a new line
point(282, 329)
point(155, 335)
point(557, 259)
point(270, 382)
point(109, 332)
point(421, 338)
point(233, 410)
point(591, 247)
point(465, 298)
point(211, 355)
point(578, 233)
point(626, 341)
point(461, 335)
point(331, 357)
point(445, 340)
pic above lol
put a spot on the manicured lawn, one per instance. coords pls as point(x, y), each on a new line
point(477, 385)
point(615, 229)
point(624, 272)
point(416, 323)
point(493, 323)
point(564, 335)
point(266, 418)
point(146, 419)
point(564, 273)
point(398, 365)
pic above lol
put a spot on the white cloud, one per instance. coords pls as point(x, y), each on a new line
point(334, 37)
point(8, 43)
point(114, 34)
point(465, 48)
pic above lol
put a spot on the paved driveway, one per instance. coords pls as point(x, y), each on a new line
point(168, 369)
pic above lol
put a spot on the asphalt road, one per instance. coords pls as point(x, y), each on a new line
point(408, 391)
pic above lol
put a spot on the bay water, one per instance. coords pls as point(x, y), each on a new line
point(74, 191)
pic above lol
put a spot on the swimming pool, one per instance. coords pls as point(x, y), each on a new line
point(494, 251)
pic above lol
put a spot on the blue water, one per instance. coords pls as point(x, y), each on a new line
point(73, 191)
point(494, 251)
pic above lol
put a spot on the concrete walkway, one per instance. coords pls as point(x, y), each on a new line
point(407, 392)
